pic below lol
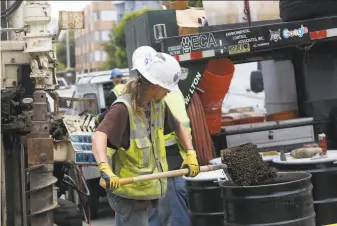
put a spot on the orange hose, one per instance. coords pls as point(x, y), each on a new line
point(202, 140)
point(215, 83)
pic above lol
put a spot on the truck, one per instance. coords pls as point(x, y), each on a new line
point(42, 153)
point(297, 74)
point(64, 90)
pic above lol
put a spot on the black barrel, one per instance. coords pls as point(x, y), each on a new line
point(286, 200)
point(324, 180)
point(204, 199)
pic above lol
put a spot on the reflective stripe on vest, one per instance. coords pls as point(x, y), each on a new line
point(175, 101)
point(144, 156)
point(118, 89)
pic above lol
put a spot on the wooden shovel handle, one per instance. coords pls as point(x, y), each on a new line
point(167, 174)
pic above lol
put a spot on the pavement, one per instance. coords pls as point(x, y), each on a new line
point(105, 215)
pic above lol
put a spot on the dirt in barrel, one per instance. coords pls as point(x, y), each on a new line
point(246, 166)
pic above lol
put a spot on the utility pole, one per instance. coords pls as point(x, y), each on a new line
point(68, 48)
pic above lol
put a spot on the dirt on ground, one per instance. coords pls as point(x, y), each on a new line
point(246, 166)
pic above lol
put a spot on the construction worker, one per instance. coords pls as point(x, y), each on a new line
point(116, 78)
point(133, 129)
point(116, 91)
point(172, 208)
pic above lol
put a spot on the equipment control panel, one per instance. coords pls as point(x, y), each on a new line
point(80, 129)
point(84, 157)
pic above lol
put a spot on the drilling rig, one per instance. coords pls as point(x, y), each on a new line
point(28, 73)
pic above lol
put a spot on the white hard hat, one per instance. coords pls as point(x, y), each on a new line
point(142, 51)
point(160, 69)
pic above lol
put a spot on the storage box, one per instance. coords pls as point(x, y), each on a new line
point(148, 29)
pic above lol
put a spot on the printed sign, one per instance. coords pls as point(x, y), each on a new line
point(295, 33)
point(240, 36)
point(198, 42)
point(159, 31)
point(184, 73)
point(192, 74)
point(174, 50)
point(239, 48)
point(191, 90)
point(238, 33)
point(275, 35)
point(257, 45)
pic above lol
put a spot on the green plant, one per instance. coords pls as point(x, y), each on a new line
point(116, 48)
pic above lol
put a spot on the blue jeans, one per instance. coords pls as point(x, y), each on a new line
point(172, 209)
point(130, 212)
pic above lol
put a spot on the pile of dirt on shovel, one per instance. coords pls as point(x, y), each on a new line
point(246, 166)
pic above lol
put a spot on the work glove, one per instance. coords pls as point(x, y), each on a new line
point(191, 162)
point(108, 179)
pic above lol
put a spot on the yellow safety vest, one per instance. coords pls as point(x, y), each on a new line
point(118, 89)
point(175, 101)
point(144, 156)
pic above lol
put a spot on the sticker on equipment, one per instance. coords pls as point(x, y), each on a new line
point(159, 31)
point(275, 35)
point(240, 48)
point(184, 73)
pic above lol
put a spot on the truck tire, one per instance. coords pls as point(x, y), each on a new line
point(292, 10)
point(67, 214)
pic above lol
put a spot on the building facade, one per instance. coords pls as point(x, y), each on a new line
point(100, 18)
point(125, 7)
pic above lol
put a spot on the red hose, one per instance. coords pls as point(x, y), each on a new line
point(202, 140)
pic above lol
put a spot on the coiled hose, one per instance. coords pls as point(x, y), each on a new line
point(7, 12)
point(202, 140)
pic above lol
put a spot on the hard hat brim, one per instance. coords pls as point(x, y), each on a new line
point(144, 73)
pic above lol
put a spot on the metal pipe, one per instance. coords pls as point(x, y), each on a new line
point(3, 215)
point(68, 49)
point(4, 23)
point(23, 186)
point(11, 29)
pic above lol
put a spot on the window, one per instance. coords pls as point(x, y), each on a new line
point(98, 55)
point(92, 107)
point(80, 59)
point(104, 56)
point(87, 38)
point(144, 4)
point(88, 18)
point(95, 16)
point(105, 35)
point(120, 17)
point(61, 83)
point(97, 36)
point(108, 15)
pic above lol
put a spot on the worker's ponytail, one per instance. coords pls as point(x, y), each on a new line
point(132, 87)
point(136, 88)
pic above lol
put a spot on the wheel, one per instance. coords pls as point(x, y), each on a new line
point(67, 214)
point(292, 10)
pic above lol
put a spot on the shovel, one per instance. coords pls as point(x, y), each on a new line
point(167, 174)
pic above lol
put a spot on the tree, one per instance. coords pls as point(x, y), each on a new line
point(116, 48)
point(61, 51)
